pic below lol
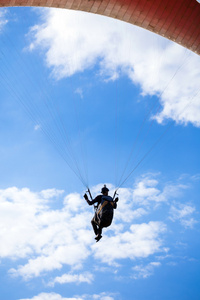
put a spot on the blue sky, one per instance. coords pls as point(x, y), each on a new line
point(103, 92)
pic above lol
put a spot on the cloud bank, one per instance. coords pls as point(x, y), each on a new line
point(74, 41)
point(46, 240)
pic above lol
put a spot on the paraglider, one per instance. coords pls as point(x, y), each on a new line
point(147, 15)
point(104, 211)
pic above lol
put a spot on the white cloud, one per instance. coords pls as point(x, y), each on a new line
point(31, 230)
point(17, 213)
point(147, 191)
point(140, 241)
point(50, 193)
point(141, 271)
point(101, 296)
point(51, 296)
point(128, 211)
point(79, 91)
point(3, 19)
point(189, 223)
point(37, 127)
point(46, 239)
point(54, 238)
point(74, 41)
point(54, 296)
point(183, 213)
point(69, 278)
point(196, 177)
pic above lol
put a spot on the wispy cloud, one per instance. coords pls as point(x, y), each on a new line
point(147, 190)
point(74, 41)
point(141, 271)
point(183, 213)
point(37, 127)
point(79, 91)
point(3, 18)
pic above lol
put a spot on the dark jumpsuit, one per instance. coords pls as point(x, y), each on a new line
point(94, 221)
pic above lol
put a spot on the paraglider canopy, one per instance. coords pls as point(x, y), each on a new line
point(177, 20)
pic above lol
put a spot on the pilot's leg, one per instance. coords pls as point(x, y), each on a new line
point(94, 225)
